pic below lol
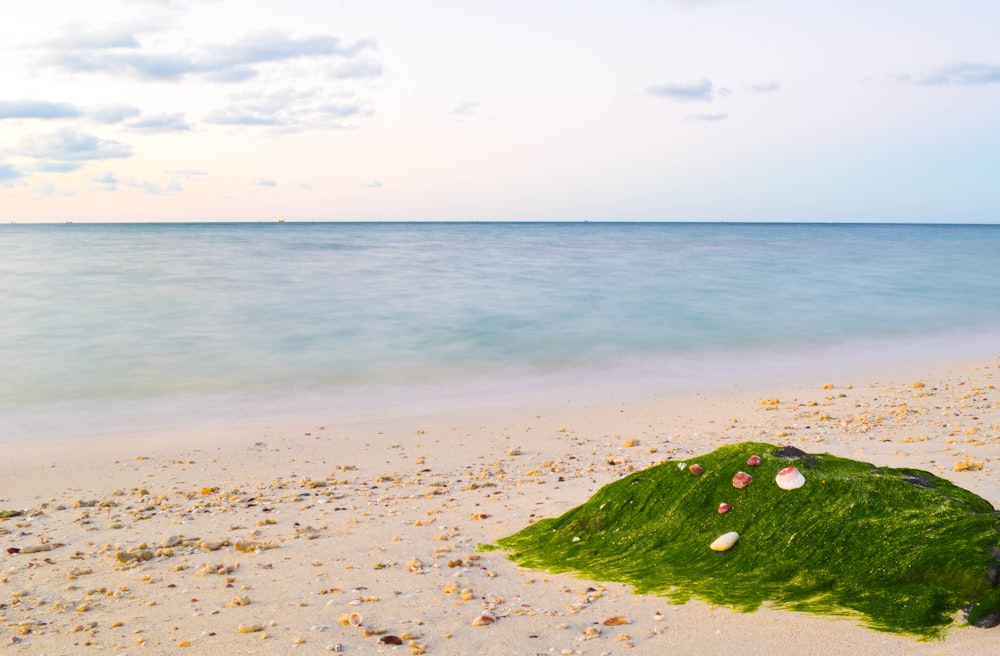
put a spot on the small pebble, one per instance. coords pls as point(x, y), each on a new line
point(725, 541)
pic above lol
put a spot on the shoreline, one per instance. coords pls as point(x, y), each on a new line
point(291, 525)
point(718, 372)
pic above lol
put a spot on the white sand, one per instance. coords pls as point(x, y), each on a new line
point(291, 527)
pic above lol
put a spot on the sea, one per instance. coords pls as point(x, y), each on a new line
point(105, 327)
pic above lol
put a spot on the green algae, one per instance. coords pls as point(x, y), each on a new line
point(901, 549)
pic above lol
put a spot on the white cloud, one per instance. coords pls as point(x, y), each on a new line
point(965, 74)
point(465, 109)
point(153, 188)
point(117, 36)
point(9, 173)
point(47, 190)
point(112, 113)
point(357, 68)
point(106, 181)
point(37, 109)
point(68, 149)
point(234, 62)
point(684, 92)
point(290, 110)
point(708, 118)
point(160, 123)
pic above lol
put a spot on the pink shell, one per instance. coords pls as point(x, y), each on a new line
point(790, 478)
point(741, 480)
point(753, 461)
point(696, 469)
point(724, 508)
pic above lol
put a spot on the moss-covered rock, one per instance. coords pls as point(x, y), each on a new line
point(903, 549)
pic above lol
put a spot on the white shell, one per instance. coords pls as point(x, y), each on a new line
point(790, 478)
point(725, 541)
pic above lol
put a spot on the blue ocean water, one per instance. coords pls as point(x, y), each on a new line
point(111, 315)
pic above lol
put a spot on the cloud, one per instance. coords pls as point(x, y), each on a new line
point(112, 37)
point(233, 62)
point(357, 68)
point(765, 87)
point(964, 74)
point(265, 182)
point(233, 75)
point(695, 3)
point(152, 188)
point(371, 184)
point(106, 114)
point(694, 91)
point(47, 190)
point(710, 118)
point(233, 115)
point(290, 110)
point(106, 181)
point(9, 173)
point(37, 109)
point(113, 113)
point(67, 150)
point(277, 46)
point(465, 109)
point(141, 65)
point(160, 123)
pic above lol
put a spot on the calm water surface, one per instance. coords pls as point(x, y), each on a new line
point(102, 316)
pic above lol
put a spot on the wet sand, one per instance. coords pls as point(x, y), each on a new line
point(344, 535)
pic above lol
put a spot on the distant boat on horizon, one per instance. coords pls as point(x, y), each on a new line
point(281, 219)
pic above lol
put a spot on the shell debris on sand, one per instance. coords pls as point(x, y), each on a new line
point(197, 536)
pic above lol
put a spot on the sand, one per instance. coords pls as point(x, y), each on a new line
point(268, 539)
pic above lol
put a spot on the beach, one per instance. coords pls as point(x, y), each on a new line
point(353, 533)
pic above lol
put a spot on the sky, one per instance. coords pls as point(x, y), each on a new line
point(633, 110)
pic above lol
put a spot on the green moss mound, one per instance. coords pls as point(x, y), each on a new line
point(902, 549)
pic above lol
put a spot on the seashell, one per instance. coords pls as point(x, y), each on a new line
point(741, 480)
point(681, 465)
point(725, 541)
point(724, 508)
point(696, 469)
point(483, 620)
point(351, 619)
point(390, 640)
point(617, 620)
point(790, 478)
point(753, 461)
